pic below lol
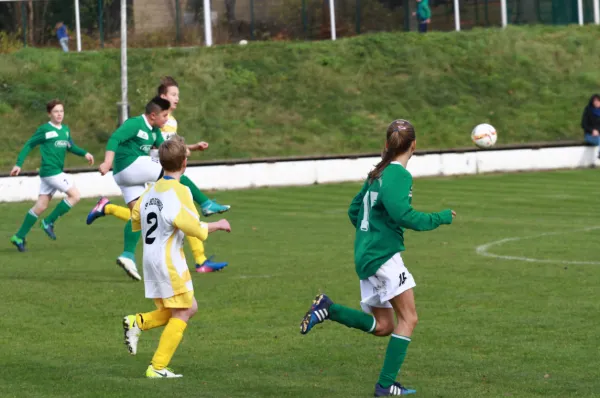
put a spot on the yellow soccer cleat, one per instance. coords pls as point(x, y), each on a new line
point(165, 373)
point(132, 333)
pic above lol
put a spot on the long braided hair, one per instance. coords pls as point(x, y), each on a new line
point(399, 137)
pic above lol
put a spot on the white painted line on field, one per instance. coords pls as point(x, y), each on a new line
point(482, 250)
point(254, 276)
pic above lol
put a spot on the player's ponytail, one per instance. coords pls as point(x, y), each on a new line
point(399, 137)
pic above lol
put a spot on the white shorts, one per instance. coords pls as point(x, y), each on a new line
point(132, 180)
point(61, 182)
point(391, 280)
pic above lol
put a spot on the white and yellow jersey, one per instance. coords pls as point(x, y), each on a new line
point(170, 128)
point(165, 213)
point(168, 131)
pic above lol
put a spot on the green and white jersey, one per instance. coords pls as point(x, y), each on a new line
point(381, 212)
point(54, 142)
point(133, 139)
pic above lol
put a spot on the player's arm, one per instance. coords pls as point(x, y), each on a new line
point(75, 150)
point(136, 222)
point(38, 137)
point(394, 195)
point(189, 222)
point(357, 203)
point(122, 134)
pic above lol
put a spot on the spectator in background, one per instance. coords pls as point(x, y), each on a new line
point(590, 121)
point(63, 36)
point(423, 15)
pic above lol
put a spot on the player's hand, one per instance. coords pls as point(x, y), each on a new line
point(15, 171)
point(104, 168)
point(453, 214)
point(90, 158)
point(595, 133)
point(200, 146)
point(224, 225)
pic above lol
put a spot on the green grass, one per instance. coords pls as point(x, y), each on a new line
point(279, 99)
point(488, 327)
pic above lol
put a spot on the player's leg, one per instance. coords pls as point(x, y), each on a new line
point(132, 182)
point(172, 335)
point(133, 325)
point(126, 259)
point(104, 208)
point(64, 183)
point(404, 306)
point(208, 206)
point(399, 292)
point(31, 218)
point(203, 264)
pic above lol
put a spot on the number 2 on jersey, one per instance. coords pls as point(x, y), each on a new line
point(151, 219)
point(368, 202)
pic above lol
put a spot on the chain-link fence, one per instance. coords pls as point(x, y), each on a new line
point(154, 23)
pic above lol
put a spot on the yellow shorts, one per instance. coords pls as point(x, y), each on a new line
point(183, 300)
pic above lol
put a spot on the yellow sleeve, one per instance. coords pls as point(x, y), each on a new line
point(188, 219)
point(136, 224)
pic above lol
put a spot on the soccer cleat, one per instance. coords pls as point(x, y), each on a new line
point(393, 390)
point(127, 262)
point(97, 211)
point(165, 373)
point(210, 266)
point(319, 311)
point(132, 333)
point(18, 242)
point(48, 229)
point(211, 207)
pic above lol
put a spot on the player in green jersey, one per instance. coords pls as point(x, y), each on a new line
point(54, 139)
point(127, 152)
point(380, 213)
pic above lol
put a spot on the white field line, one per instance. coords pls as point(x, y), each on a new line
point(482, 250)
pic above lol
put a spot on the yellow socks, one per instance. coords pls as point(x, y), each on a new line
point(154, 319)
point(120, 212)
point(169, 341)
point(197, 249)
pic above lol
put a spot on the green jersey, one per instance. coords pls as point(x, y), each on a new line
point(54, 143)
point(133, 139)
point(380, 213)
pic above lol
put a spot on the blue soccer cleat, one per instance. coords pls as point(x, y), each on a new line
point(210, 266)
point(319, 311)
point(393, 390)
point(97, 211)
point(18, 242)
point(48, 229)
point(211, 207)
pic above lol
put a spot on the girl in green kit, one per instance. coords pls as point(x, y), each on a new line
point(380, 213)
point(54, 139)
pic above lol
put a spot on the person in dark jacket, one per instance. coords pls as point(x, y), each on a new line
point(590, 121)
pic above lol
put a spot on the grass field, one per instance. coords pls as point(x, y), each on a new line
point(488, 327)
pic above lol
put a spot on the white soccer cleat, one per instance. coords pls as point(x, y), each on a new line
point(129, 266)
point(165, 373)
point(132, 333)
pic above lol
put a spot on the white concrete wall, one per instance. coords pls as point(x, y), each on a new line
point(307, 172)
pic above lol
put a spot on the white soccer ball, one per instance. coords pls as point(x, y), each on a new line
point(243, 42)
point(484, 135)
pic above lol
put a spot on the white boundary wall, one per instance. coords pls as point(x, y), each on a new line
point(308, 172)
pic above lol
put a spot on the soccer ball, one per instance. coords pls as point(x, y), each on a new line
point(243, 42)
point(484, 135)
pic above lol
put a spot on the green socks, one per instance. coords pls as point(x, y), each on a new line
point(352, 318)
point(198, 196)
point(61, 209)
point(394, 357)
point(29, 221)
point(131, 238)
